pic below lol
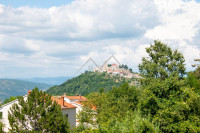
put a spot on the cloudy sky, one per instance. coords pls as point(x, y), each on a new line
point(51, 38)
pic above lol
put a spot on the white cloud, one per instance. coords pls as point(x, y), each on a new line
point(83, 19)
point(179, 20)
point(179, 27)
point(58, 40)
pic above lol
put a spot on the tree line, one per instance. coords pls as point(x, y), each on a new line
point(166, 101)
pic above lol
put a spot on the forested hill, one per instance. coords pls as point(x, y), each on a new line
point(13, 87)
point(86, 83)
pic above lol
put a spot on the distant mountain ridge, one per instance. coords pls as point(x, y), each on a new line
point(14, 87)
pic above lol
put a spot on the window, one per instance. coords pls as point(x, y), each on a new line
point(66, 115)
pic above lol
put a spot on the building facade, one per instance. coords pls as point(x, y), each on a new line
point(68, 110)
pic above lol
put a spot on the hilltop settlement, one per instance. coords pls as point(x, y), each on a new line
point(120, 70)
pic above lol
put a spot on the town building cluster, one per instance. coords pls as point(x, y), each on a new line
point(115, 69)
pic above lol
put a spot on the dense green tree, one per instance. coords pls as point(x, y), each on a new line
point(193, 81)
point(116, 112)
point(132, 122)
point(194, 77)
point(165, 97)
point(113, 104)
point(197, 73)
point(86, 118)
point(37, 114)
point(162, 62)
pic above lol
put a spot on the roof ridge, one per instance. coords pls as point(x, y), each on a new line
point(11, 102)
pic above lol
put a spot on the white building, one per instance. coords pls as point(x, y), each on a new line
point(69, 110)
point(4, 110)
point(77, 101)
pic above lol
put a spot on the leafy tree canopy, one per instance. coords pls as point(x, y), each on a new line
point(162, 62)
point(194, 77)
point(166, 98)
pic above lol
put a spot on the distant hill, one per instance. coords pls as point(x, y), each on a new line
point(13, 87)
point(88, 82)
point(49, 80)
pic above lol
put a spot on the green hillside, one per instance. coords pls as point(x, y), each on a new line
point(86, 83)
point(13, 87)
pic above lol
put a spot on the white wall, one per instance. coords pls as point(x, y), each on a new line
point(67, 100)
point(71, 116)
point(4, 110)
point(78, 110)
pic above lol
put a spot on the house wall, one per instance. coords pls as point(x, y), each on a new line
point(71, 116)
point(78, 110)
point(4, 111)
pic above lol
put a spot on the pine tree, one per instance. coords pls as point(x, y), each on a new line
point(37, 113)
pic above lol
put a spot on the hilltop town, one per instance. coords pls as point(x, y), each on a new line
point(112, 69)
point(121, 70)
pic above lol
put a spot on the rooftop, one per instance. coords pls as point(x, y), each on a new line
point(65, 104)
point(76, 97)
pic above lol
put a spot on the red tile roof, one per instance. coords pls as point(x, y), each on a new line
point(76, 97)
point(29, 91)
point(83, 104)
point(80, 103)
point(59, 101)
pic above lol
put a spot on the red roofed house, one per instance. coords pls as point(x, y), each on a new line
point(68, 109)
point(71, 106)
point(77, 101)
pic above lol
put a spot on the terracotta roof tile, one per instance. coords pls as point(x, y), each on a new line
point(80, 103)
point(85, 103)
point(66, 105)
point(76, 97)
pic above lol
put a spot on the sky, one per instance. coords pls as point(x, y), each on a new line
point(51, 38)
